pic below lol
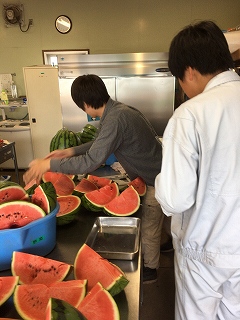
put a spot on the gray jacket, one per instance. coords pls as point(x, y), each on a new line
point(124, 131)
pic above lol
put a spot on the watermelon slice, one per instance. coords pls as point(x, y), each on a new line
point(139, 185)
point(7, 286)
point(33, 269)
point(63, 184)
point(69, 208)
point(99, 305)
point(126, 204)
point(16, 214)
point(99, 181)
point(31, 186)
point(84, 186)
point(31, 300)
point(10, 191)
point(59, 309)
point(90, 265)
point(45, 197)
point(97, 199)
point(72, 291)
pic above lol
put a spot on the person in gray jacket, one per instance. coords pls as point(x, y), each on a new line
point(199, 183)
point(126, 133)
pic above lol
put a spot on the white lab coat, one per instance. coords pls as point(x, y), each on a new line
point(199, 183)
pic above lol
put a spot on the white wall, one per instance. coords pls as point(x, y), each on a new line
point(104, 27)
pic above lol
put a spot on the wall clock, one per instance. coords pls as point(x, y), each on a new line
point(63, 24)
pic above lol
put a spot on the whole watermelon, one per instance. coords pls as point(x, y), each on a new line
point(88, 133)
point(63, 139)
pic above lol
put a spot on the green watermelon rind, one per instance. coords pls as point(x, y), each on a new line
point(63, 310)
point(48, 197)
point(63, 139)
point(71, 215)
point(90, 206)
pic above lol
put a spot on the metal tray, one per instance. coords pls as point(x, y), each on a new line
point(115, 237)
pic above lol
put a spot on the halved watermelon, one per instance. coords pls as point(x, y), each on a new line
point(63, 184)
point(16, 214)
point(97, 199)
point(10, 191)
point(126, 204)
point(99, 181)
point(68, 209)
point(99, 305)
point(33, 269)
point(7, 286)
point(139, 185)
point(84, 186)
point(45, 197)
point(59, 309)
point(90, 265)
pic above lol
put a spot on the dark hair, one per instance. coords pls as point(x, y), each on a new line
point(89, 89)
point(203, 47)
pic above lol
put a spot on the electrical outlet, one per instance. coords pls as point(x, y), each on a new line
point(30, 22)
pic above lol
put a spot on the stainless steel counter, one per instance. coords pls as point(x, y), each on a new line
point(69, 240)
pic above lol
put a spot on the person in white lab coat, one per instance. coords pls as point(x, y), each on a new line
point(199, 184)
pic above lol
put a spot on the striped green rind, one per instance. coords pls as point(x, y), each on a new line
point(63, 139)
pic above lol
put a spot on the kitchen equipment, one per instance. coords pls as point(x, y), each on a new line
point(115, 237)
point(19, 132)
point(37, 237)
point(141, 80)
point(45, 113)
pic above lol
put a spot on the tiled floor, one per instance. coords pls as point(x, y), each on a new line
point(158, 298)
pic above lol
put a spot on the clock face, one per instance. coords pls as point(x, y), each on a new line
point(63, 24)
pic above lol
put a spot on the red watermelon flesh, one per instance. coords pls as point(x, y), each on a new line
point(99, 181)
point(16, 214)
point(72, 291)
point(7, 286)
point(10, 191)
point(84, 186)
point(95, 200)
point(139, 185)
point(33, 269)
point(63, 184)
point(91, 266)
point(126, 204)
point(99, 305)
point(31, 300)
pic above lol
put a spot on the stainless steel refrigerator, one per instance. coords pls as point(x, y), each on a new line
point(141, 80)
